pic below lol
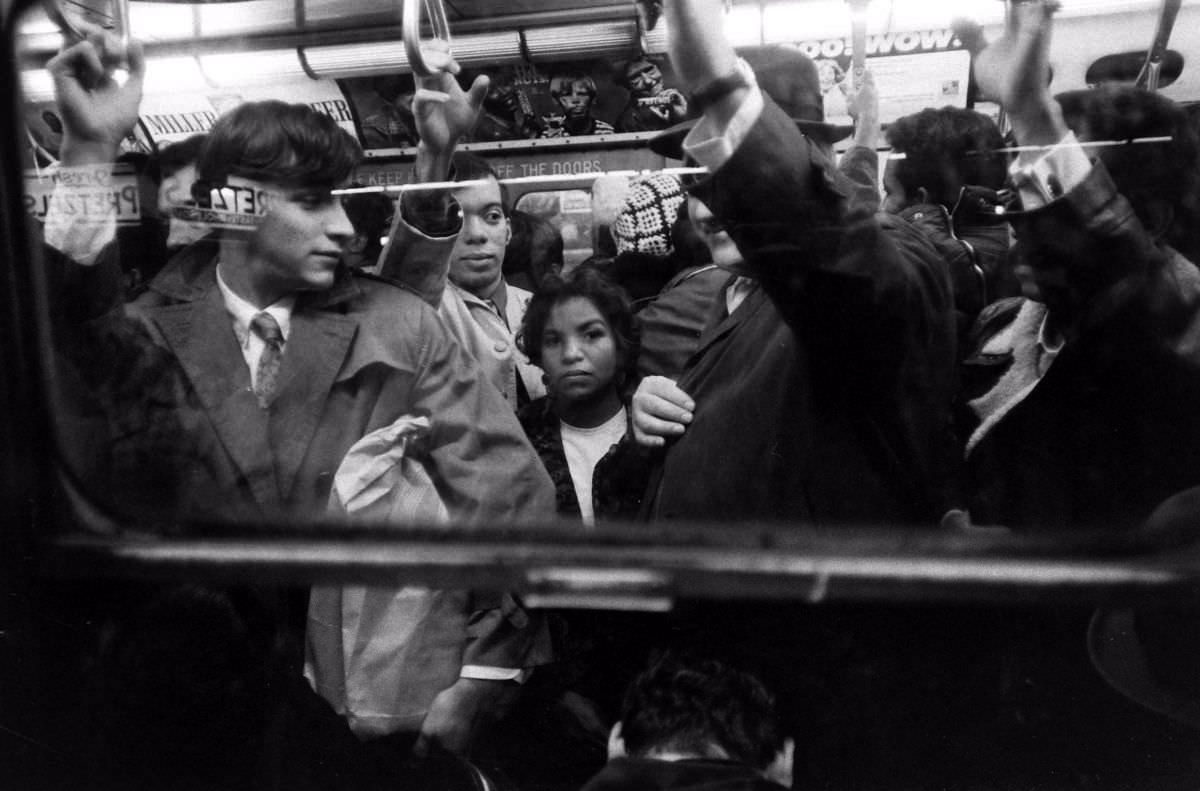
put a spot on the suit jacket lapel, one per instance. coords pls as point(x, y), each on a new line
point(721, 324)
point(316, 349)
point(200, 334)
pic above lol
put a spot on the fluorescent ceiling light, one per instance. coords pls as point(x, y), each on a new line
point(743, 26)
point(357, 60)
point(245, 18)
point(155, 22)
point(37, 85)
point(252, 68)
point(175, 75)
point(335, 10)
point(581, 41)
point(163, 75)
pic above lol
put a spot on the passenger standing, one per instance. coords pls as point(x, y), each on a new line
point(467, 287)
point(945, 175)
point(1080, 398)
point(821, 389)
point(285, 359)
point(581, 331)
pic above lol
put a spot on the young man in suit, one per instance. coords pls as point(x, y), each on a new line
point(281, 359)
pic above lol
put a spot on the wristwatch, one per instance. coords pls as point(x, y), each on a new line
point(742, 76)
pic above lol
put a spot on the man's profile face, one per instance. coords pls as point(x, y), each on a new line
point(643, 78)
point(298, 242)
point(721, 246)
point(478, 256)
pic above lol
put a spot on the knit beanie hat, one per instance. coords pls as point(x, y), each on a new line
point(644, 224)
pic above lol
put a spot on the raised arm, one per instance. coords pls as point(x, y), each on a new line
point(860, 163)
point(99, 107)
point(701, 54)
point(98, 86)
point(1015, 72)
point(422, 235)
point(1085, 246)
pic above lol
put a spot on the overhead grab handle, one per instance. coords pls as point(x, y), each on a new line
point(61, 12)
point(410, 24)
point(1148, 77)
point(115, 19)
point(858, 40)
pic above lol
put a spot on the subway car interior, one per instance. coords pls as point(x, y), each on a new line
point(945, 514)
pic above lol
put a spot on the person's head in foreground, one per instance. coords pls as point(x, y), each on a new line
point(685, 708)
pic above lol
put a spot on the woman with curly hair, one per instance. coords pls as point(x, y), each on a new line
point(581, 331)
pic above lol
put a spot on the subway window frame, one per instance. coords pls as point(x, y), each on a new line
point(660, 565)
point(60, 541)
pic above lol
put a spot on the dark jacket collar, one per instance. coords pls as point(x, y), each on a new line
point(649, 774)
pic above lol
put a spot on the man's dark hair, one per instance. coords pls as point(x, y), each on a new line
point(690, 704)
point(174, 157)
point(945, 150)
point(472, 167)
point(371, 215)
point(610, 300)
point(290, 144)
point(1167, 170)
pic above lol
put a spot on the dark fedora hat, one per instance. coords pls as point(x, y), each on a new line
point(790, 78)
point(1150, 656)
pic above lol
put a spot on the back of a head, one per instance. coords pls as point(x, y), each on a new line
point(690, 706)
point(1165, 169)
point(278, 142)
point(946, 149)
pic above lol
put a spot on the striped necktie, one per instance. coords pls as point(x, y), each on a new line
point(265, 377)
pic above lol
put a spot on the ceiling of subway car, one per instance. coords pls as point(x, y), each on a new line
point(177, 23)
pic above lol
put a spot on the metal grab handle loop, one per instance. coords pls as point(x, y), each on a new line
point(119, 12)
point(411, 28)
point(1148, 77)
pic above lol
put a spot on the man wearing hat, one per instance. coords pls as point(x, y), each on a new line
point(821, 385)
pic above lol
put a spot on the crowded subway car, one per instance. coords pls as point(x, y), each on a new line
point(579, 394)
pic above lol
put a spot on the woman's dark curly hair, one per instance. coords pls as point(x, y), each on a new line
point(946, 148)
point(610, 300)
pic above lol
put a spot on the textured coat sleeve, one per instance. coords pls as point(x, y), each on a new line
point(867, 292)
point(488, 475)
point(1116, 278)
point(418, 250)
point(859, 166)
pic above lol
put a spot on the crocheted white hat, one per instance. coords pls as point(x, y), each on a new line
point(644, 224)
